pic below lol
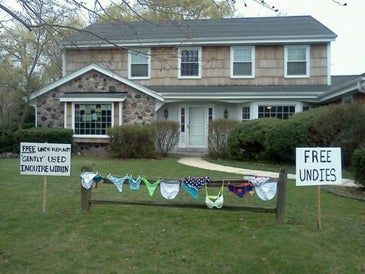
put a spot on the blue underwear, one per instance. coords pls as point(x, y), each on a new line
point(134, 184)
point(118, 182)
point(193, 192)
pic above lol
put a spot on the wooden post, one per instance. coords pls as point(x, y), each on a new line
point(85, 194)
point(85, 198)
point(44, 193)
point(281, 199)
point(319, 221)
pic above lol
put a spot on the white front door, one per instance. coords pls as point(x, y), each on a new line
point(196, 126)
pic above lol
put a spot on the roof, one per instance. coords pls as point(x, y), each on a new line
point(343, 84)
point(102, 70)
point(255, 30)
point(228, 93)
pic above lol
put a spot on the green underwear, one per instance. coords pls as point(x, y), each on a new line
point(151, 187)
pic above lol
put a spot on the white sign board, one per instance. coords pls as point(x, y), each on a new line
point(318, 166)
point(45, 159)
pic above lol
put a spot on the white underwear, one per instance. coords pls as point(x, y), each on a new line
point(266, 191)
point(169, 189)
point(87, 179)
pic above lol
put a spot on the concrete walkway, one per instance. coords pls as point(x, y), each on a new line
point(200, 163)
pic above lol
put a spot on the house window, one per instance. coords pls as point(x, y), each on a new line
point(189, 62)
point(139, 63)
point(296, 61)
point(281, 112)
point(210, 114)
point(92, 119)
point(242, 62)
point(245, 113)
point(182, 120)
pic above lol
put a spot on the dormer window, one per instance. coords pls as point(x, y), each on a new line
point(190, 62)
point(242, 62)
point(139, 63)
point(296, 61)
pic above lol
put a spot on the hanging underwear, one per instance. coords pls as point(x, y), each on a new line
point(256, 180)
point(191, 191)
point(196, 182)
point(87, 179)
point(214, 200)
point(241, 189)
point(151, 187)
point(169, 189)
point(134, 184)
point(266, 191)
point(118, 182)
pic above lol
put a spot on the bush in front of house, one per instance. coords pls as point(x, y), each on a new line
point(339, 126)
point(218, 134)
point(132, 141)
point(289, 134)
point(358, 165)
point(166, 134)
point(44, 135)
point(7, 141)
point(248, 140)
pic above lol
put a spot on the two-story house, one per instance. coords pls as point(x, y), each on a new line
point(191, 72)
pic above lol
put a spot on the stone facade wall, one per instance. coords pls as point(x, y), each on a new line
point(138, 108)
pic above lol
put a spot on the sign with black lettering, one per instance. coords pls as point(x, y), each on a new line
point(318, 166)
point(45, 159)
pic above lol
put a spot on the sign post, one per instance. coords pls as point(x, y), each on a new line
point(318, 166)
point(45, 159)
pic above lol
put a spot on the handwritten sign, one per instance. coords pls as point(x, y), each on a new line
point(45, 159)
point(318, 166)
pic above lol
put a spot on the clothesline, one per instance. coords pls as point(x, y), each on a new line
point(87, 200)
point(265, 189)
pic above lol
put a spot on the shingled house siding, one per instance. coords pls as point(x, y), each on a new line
point(269, 67)
point(138, 108)
point(359, 98)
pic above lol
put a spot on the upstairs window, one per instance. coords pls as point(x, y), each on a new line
point(242, 62)
point(296, 61)
point(139, 63)
point(189, 62)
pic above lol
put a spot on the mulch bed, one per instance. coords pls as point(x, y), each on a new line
point(356, 193)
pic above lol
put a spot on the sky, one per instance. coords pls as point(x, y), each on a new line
point(348, 22)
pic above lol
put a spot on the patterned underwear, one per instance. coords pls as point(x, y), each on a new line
point(134, 183)
point(196, 182)
point(241, 189)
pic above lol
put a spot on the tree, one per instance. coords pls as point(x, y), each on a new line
point(160, 10)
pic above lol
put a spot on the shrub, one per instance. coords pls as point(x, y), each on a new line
point(166, 134)
point(339, 125)
point(288, 135)
point(7, 141)
point(247, 141)
point(218, 133)
point(44, 135)
point(358, 165)
point(131, 141)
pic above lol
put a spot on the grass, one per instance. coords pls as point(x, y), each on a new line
point(137, 239)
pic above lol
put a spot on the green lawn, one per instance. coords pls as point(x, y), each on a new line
point(137, 239)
